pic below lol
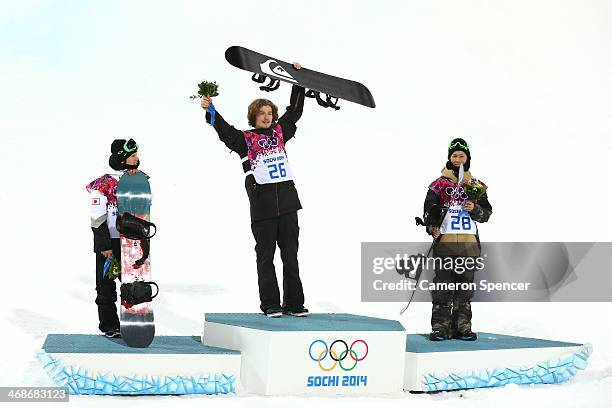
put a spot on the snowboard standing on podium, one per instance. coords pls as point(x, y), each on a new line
point(272, 194)
point(103, 211)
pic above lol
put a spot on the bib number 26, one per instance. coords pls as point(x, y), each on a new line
point(277, 171)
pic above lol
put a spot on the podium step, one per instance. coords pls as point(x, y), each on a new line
point(94, 364)
point(493, 360)
point(320, 354)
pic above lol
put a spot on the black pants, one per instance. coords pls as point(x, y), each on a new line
point(107, 292)
point(284, 231)
point(452, 309)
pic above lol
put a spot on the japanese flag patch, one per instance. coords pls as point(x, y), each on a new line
point(95, 201)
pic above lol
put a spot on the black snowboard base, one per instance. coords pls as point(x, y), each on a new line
point(317, 83)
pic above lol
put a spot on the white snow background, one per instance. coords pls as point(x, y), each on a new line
point(527, 83)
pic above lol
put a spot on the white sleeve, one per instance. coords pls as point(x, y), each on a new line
point(97, 208)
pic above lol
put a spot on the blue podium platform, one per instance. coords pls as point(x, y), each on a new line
point(91, 343)
point(420, 343)
point(94, 364)
point(493, 360)
point(313, 322)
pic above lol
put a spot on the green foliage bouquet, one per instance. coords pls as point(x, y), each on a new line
point(206, 88)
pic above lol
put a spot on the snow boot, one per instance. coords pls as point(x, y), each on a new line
point(441, 320)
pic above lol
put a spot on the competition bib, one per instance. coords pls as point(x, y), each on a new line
point(272, 168)
point(267, 156)
point(111, 220)
point(458, 221)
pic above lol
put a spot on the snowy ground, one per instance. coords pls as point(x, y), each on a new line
point(528, 83)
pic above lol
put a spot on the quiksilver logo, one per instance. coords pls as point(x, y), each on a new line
point(271, 67)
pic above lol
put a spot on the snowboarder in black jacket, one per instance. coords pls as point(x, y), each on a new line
point(272, 195)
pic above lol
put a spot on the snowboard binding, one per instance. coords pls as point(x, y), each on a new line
point(260, 79)
point(137, 229)
point(138, 292)
point(329, 101)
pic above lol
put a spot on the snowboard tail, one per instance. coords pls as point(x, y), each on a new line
point(137, 329)
point(317, 83)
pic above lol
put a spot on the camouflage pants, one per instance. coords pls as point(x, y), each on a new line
point(452, 310)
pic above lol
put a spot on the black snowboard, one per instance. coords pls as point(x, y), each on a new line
point(316, 82)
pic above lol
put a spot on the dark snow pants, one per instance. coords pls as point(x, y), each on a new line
point(107, 293)
point(284, 232)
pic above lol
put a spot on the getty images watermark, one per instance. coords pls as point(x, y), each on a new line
point(411, 268)
point(500, 271)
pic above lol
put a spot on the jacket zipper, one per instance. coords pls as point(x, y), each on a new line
point(277, 206)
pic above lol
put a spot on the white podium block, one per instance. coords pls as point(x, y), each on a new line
point(493, 360)
point(321, 354)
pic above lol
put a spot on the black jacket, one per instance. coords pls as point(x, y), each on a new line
point(102, 238)
point(104, 242)
point(267, 200)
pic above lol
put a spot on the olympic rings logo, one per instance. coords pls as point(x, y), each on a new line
point(268, 142)
point(456, 193)
point(338, 358)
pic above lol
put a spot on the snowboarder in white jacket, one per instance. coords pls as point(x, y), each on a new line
point(103, 211)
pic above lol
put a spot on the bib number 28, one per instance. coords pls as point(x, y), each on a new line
point(277, 171)
point(465, 222)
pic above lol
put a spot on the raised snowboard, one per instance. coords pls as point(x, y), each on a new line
point(263, 66)
point(134, 197)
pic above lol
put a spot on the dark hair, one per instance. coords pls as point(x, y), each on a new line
point(256, 105)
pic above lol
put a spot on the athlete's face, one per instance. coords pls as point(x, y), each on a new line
point(458, 158)
point(132, 160)
point(264, 117)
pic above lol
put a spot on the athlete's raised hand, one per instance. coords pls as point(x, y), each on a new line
point(205, 103)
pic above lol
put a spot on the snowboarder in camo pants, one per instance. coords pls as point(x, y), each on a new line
point(460, 202)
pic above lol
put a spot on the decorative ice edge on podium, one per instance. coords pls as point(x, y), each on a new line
point(79, 381)
point(548, 372)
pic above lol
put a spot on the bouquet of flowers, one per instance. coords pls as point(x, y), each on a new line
point(474, 191)
point(112, 268)
point(206, 88)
